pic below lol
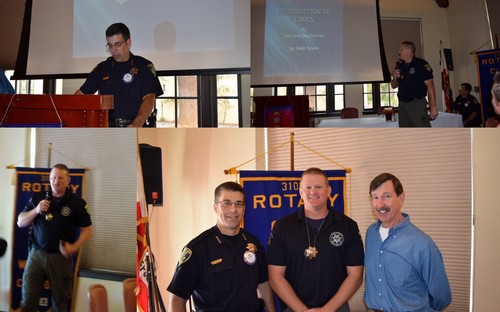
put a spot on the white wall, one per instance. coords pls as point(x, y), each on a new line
point(469, 31)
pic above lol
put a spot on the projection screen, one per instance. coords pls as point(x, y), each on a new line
point(68, 37)
point(316, 41)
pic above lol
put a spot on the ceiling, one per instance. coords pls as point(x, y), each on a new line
point(11, 23)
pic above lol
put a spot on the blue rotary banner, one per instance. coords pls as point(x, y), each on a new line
point(272, 195)
point(488, 63)
point(28, 182)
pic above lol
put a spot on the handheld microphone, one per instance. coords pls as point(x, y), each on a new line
point(399, 66)
point(47, 197)
point(47, 214)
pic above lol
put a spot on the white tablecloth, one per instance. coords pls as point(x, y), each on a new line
point(444, 120)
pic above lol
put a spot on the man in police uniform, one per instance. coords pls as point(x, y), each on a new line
point(55, 217)
point(131, 79)
point(414, 79)
point(467, 105)
point(315, 255)
point(225, 267)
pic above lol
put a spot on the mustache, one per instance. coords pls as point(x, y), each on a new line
point(383, 208)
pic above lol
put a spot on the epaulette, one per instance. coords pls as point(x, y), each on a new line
point(201, 237)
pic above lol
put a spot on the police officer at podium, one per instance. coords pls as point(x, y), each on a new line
point(131, 79)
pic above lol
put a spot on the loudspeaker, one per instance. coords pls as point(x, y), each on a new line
point(442, 3)
point(448, 58)
point(151, 173)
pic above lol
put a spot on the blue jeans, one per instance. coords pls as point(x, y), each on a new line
point(40, 267)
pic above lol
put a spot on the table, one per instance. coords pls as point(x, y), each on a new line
point(444, 120)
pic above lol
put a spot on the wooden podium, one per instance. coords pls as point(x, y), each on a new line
point(23, 110)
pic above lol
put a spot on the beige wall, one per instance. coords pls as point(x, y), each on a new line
point(193, 164)
point(486, 274)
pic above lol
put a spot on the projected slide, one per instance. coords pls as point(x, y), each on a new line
point(156, 25)
point(303, 37)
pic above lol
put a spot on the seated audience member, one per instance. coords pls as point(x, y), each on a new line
point(468, 106)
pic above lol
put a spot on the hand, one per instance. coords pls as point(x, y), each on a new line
point(397, 73)
point(433, 113)
point(43, 206)
point(67, 249)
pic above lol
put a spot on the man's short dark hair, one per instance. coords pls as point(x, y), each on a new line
point(118, 29)
point(384, 177)
point(410, 45)
point(61, 167)
point(314, 170)
point(467, 86)
point(228, 186)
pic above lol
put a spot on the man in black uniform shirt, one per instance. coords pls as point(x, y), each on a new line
point(225, 267)
point(414, 79)
point(315, 255)
point(131, 79)
point(55, 217)
point(467, 105)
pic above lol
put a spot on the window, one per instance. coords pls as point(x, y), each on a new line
point(379, 94)
point(324, 99)
point(228, 101)
point(178, 106)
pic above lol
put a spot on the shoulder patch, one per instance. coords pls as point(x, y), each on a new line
point(152, 69)
point(185, 255)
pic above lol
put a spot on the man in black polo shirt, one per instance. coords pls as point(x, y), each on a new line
point(225, 267)
point(315, 255)
point(55, 217)
point(414, 79)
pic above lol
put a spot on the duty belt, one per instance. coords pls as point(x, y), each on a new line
point(409, 100)
point(119, 122)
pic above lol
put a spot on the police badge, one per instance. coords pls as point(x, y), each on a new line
point(249, 256)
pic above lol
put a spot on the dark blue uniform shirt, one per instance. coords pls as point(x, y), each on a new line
point(221, 272)
point(69, 214)
point(338, 243)
point(413, 75)
point(128, 82)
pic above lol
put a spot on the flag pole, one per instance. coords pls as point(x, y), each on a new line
point(292, 164)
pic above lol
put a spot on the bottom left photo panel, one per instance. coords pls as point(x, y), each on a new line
point(68, 216)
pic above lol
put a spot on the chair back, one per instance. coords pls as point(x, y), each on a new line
point(129, 295)
point(98, 298)
point(349, 112)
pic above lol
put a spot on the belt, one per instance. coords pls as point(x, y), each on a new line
point(119, 122)
point(413, 99)
point(375, 310)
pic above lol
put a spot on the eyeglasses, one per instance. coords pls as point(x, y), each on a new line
point(228, 204)
point(116, 45)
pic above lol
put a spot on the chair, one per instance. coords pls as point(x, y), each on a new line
point(98, 298)
point(349, 112)
point(129, 296)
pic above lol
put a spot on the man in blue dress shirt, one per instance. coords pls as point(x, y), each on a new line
point(404, 267)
